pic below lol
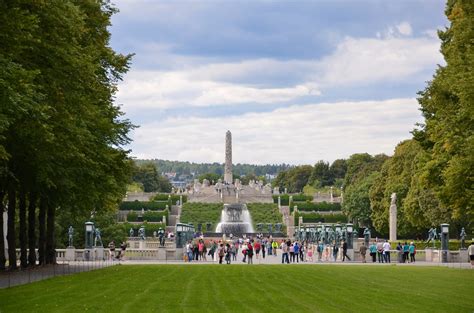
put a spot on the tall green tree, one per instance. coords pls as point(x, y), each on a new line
point(61, 135)
point(447, 106)
point(362, 171)
point(321, 175)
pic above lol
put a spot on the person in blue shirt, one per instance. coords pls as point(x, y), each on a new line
point(373, 251)
point(296, 249)
point(406, 250)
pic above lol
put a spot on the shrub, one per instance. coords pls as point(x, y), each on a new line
point(146, 205)
point(203, 213)
point(265, 213)
point(164, 197)
point(320, 206)
point(323, 218)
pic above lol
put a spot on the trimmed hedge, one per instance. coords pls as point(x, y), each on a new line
point(321, 206)
point(323, 218)
point(149, 216)
point(203, 213)
point(146, 205)
point(285, 198)
point(164, 197)
point(265, 213)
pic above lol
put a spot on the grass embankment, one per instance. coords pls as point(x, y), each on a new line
point(258, 288)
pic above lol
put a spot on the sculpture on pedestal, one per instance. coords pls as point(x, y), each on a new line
point(462, 237)
point(98, 238)
point(432, 236)
point(367, 235)
point(70, 235)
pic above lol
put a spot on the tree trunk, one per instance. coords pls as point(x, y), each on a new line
point(23, 238)
point(50, 242)
point(11, 228)
point(2, 243)
point(31, 229)
point(42, 231)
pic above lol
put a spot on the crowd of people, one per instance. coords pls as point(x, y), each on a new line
point(246, 250)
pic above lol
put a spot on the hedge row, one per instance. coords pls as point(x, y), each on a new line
point(203, 213)
point(149, 216)
point(285, 198)
point(146, 205)
point(265, 213)
point(323, 218)
point(320, 206)
point(164, 197)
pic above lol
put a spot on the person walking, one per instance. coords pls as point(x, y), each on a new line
point(470, 251)
point(244, 252)
point(189, 251)
point(220, 252)
point(292, 253)
point(320, 250)
point(344, 251)
point(335, 251)
point(400, 252)
point(412, 251)
point(112, 249)
point(250, 250)
point(406, 251)
point(363, 251)
point(227, 253)
point(373, 252)
point(386, 251)
point(274, 247)
point(284, 253)
point(296, 250)
point(123, 247)
point(380, 251)
point(309, 253)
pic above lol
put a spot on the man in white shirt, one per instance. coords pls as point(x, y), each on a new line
point(386, 251)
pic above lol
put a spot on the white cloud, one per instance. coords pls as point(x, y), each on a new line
point(354, 62)
point(365, 60)
point(404, 28)
point(297, 134)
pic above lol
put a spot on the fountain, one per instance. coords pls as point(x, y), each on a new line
point(235, 219)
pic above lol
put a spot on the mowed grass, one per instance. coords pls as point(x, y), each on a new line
point(242, 288)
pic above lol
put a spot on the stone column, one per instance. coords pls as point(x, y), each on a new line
point(393, 218)
point(228, 158)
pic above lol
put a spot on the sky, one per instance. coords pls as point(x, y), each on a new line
point(294, 81)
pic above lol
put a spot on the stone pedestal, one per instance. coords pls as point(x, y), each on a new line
point(70, 254)
point(463, 256)
point(142, 245)
point(98, 253)
point(432, 255)
point(162, 253)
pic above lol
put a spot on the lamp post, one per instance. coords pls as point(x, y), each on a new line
point(89, 232)
point(444, 242)
point(349, 230)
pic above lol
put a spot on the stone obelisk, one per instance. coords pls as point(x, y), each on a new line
point(228, 158)
point(393, 218)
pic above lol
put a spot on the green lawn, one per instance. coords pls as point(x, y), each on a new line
point(242, 288)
